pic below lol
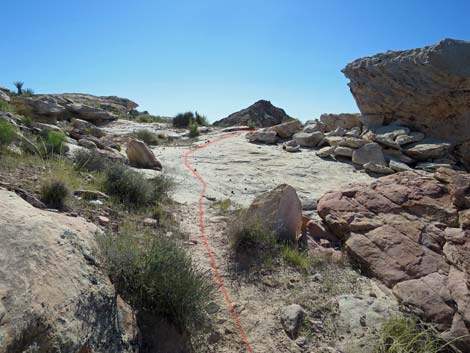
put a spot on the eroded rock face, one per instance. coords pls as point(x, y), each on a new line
point(408, 230)
point(82, 106)
point(427, 89)
point(261, 114)
point(52, 293)
point(281, 210)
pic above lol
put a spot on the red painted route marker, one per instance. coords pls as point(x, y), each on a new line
point(218, 277)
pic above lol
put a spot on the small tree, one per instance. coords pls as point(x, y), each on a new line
point(19, 87)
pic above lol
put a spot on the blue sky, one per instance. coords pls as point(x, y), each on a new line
point(215, 57)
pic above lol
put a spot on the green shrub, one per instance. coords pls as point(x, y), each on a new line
point(183, 119)
point(54, 193)
point(52, 142)
point(193, 131)
point(90, 160)
point(251, 242)
point(401, 334)
point(6, 107)
point(27, 121)
point(149, 137)
point(7, 133)
point(295, 258)
point(251, 124)
point(201, 119)
point(157, 277)
point(28, 92)
point(131, 187)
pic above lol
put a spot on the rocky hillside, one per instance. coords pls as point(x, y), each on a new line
point(260, 114)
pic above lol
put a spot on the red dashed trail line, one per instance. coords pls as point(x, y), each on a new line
point(209, 251)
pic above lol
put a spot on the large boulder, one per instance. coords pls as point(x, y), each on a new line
point(408, 231)
point(369, 153)
point(427, 89)
point(53, 295)
point(280, 210)
point(262, 136)
point(261, 114)
point(345, 121)
point(307, 139)
point(141, 156)
point(286, 130)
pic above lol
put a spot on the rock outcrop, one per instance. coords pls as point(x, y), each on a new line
point(261, 114)
point(52, 107)
point(53, 295)
point(427, 89)
point(280, 210)
point(410, 231)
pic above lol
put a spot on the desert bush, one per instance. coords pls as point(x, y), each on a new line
point(157, 277)
point(251, 242)
point(28, 92)
point(90, 160)
point(183, 119)
point(27, 121)
point(6, 107)
point(251, 124)
point(19, 87)
point(148, 136)
point(7, 133)
point(130, 187)
point(52, 142)
point(296, 258)
point(54, 193)
point(402, 334)
point(193, 131)
point(201, 119)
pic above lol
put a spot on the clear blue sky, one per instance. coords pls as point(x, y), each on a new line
point(213, 56)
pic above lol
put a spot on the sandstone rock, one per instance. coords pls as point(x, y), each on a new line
point(262, 136)
point(431, 167)
point(427, 149)
point(83, 106)
point(141, 156)
point(354, 132)
point(292, 317)
point(4, 95)
point(371, 120)
point(417, 88)
point(398, 166)
point(394, 154)
point(87, 143)
point(53, 293)
point(314, 126)
point(430, 295)
point(281, 210)
point(308, 139)
point(409, 138)
point(334, 121)
point(261, 114)
point(337, 132)
point(377, 168)
point(291, 146)
point(352, 142)
point(344, 151)
point(460, 291)
point(103, 221)
point(333, 140)
point(286, 130)
point(369, 153)
point(325, 151)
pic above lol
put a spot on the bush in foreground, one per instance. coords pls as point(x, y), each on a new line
point(7, 133)
point(90, 160)
point(251, 242)
point(401, 334)
point(157, 277)
point(54, 193)
point(131, 187)
point(52, 142)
